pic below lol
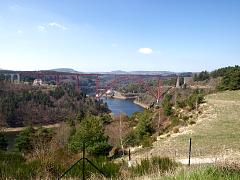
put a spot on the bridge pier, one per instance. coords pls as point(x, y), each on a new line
point(12, 77)
point(18, 78)
point(178, 82)
point(5, 77)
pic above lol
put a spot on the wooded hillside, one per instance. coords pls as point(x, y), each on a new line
point(24, 104)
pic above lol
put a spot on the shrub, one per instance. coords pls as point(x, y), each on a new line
point(175, 129)
point(28, 138)
point(24, 141)
point(174, 121)
point(90, 132)
point(131, 139)
point(147, 141)
point(143, 131)
point(181, 104)
point(3, 142)
point(167, 105)
point(153, 165)
point(191, 122)
point(109, 168)
point(196, 97)
point(14, 166)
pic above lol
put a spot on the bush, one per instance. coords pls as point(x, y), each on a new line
point(109, 168)
point(131, 139)
point(192, 122)
point(153, 165)
point(147, 141)
point(14, 166)
point(28, 138)
point(167, 105)
point(175, 121)
point(3, 142)
point(181, 104)
point(175, 129)
point(24, 141)
point(196, 97)
point(90, 132)
point(143, 131)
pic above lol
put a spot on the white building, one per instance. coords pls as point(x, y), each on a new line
point(37, 82)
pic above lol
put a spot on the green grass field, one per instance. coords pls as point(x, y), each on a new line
point(216, 132)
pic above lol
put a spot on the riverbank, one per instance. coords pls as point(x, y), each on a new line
point(18, 129)
point(140, 104)
point(118, 95)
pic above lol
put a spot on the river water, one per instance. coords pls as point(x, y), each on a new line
point(117, 106)
point(125, 106)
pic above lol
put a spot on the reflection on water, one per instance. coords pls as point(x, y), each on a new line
point(122, 106)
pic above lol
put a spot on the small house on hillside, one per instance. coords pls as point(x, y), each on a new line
point(37, 82)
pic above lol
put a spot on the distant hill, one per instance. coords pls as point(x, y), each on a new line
point(67, 70)
point(163, 73)
point(119, 72)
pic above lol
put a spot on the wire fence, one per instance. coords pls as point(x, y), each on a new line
point(193, 150)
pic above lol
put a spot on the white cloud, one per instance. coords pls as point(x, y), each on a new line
point(145, 50)
point(57, 25)
point(41, 28)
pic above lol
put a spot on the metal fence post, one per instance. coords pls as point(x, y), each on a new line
point(83, 167)
point(189, 153)
point(129, 155)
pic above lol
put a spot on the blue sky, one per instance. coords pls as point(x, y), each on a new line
point(106, 35)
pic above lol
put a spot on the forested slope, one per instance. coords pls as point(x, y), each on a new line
point(24, 104)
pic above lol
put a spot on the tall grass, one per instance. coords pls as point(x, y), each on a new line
point(13, 165)
point(208, 173)
point(109, 168)
point(153, 165)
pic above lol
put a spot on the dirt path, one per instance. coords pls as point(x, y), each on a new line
point(18, 129)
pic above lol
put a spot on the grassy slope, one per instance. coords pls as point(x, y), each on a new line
point(216, 132)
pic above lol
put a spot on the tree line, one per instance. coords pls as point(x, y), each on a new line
point(230, 77)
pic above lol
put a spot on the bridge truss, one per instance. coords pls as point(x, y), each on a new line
point(99, 92)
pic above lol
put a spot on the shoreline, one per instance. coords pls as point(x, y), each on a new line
point(145, 106)
point(19, 129)
point(118, 95)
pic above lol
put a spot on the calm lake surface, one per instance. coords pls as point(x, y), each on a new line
point(125, 106)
